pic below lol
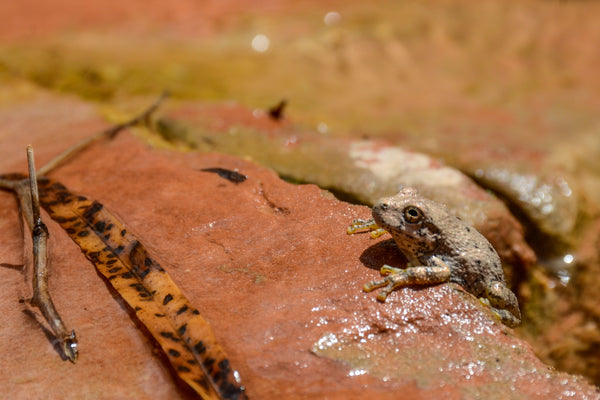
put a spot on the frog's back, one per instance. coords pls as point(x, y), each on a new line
point(471, 257)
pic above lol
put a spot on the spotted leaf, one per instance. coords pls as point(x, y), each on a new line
point(184, 336)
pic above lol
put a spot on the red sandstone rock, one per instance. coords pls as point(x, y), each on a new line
point(362, 170)
point(268, 264)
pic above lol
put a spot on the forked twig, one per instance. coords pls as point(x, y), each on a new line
point(107, 133)
point(184, 336)
point(41, 295)
point(27, 194)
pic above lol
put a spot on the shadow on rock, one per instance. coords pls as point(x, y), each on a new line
point(384, 252)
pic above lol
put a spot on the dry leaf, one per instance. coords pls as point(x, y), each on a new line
point(185, 337)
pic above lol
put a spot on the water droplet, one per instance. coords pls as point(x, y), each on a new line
point(260, 43)
point(236, 376)
point(332, 18)
point(322, 127)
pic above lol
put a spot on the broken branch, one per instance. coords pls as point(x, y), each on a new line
point(41, 295)
point(107, 133)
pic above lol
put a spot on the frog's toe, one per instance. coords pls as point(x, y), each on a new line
point(497, 293)
point(362, 225)
point(387, 270)
point(507, 318)
point(389, 288)
point(375, 233)
point(370, 286)
point(389, 283)
point(382, 296)
point(502, 298)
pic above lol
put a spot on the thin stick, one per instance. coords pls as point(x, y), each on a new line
point(33, 187)
point(107, 133)
point(41, 295)
point(28, 196)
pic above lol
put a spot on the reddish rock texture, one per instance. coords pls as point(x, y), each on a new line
point(361, 170)
point(267, 263)
point(488, 70)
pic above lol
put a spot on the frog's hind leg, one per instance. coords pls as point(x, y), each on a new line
point(506, 317)
point(418, 275)
point(503, 303)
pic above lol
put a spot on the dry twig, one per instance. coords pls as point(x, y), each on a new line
point(41, 295)
point(109, 133)
point(26, 190)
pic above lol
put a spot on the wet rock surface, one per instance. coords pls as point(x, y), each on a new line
point(376, 167)
point(270, 266)
point(530, 177)
point(364, 171)
point(495, 86)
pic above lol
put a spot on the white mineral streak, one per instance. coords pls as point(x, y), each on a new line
point(389, 162)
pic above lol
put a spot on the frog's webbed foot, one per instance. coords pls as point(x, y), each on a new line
point(505, 316)
point(503, 303)
point(418, 275)
point(359, 225)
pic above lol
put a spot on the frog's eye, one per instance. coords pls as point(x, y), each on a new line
point(412, 214)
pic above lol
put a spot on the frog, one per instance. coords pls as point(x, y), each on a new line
point(440, 248)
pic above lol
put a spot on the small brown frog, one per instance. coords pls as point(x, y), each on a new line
point(440, 248)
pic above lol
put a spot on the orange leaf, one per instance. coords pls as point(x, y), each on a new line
point(184, 336)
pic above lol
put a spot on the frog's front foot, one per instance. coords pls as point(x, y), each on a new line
point(359, 225)
point(419, 275)
point(394, 278)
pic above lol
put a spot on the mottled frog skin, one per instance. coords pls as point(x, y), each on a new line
point(440, 248)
